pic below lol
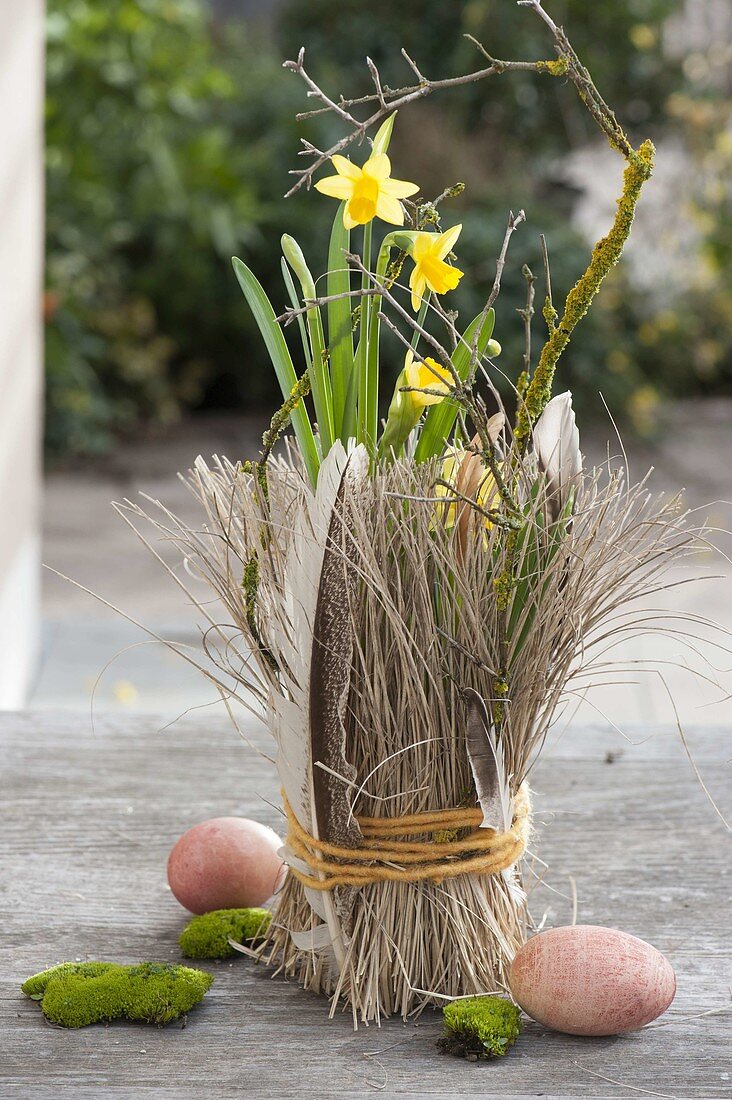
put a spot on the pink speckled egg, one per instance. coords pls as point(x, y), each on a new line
point(587, 980)
point(225, 863)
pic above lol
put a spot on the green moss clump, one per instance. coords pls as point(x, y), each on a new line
point(77, 994)
point(207, 936)
point(480, 1027)
point(35, 986)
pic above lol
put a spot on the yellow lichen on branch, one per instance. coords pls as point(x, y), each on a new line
point(560, 67)
point(605, 255)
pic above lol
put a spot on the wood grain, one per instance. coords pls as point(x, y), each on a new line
point(87, 823)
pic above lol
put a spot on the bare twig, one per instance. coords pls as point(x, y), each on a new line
point(291, 313)
point(526, 315)
point(514, 220)
point(448, 317)
point(313, 90)
point(387, 100)
point(377, 83)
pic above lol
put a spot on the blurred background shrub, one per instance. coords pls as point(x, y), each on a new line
point(168, 144)
point(170, 131)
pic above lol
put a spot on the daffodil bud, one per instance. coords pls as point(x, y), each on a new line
point(294, 256)
point(400, 419)
point(403, 239)
point(383, 135)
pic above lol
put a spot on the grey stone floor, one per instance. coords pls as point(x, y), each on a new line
point(87, 648)
point(86, 644)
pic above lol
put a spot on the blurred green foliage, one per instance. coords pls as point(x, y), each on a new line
point(620, 42)
point(168, 143)
point(170, 138)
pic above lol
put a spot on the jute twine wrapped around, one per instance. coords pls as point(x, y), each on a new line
point(382, 857)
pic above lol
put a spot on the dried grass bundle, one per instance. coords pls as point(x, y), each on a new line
point(428, 631)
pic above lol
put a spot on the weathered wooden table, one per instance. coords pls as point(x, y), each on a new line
point(87, 822)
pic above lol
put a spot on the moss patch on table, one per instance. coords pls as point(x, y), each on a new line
point(76, 994)
point(480, 1027)
point(207, 936)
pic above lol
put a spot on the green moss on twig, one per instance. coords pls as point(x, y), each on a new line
point(250, 587)
point(77, 994)
point(281, 419)
point(207, 936)
point(250, 578)
point(478, 1028)
point(278, 424)
point(605, 255)
point(250, 584)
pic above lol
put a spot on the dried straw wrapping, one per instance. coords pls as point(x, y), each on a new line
point(426, 627)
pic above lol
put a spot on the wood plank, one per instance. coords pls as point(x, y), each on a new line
point(88, 820)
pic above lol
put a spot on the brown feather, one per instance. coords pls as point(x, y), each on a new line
point(486, 764)
point(330, 671)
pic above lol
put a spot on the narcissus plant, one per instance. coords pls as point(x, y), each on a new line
point(369, 192)
point(431, 270)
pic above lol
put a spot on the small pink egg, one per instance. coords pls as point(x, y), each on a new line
point(587, 980)
point(225, 863)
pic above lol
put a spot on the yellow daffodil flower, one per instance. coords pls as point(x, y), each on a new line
point(369, 192)
point(408, 404)
point(426, 374)
point(430, 270)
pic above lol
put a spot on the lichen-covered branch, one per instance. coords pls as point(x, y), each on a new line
point(605, 255)
point(277, 426)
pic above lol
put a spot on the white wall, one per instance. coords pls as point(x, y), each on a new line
point(21, 253)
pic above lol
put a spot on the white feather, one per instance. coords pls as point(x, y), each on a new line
point(556, 443)
point(291, 628)
point(515, 889)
